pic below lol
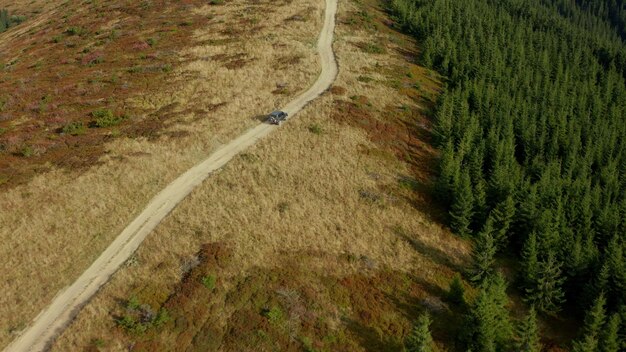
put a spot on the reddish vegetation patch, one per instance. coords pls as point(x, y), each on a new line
point(79, 59)
point(337, 90)
point(288, 308)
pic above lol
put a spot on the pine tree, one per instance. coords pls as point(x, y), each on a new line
point(461, 211)
point(420, 339)
point(611, 340)
point(530, 261)
point(456, 292)
point(528, 333)
point(546, 292)
point(483, 254)
point(502, 216)
point(488, 324)
point(449, 170)
point(594, 320)
point(588, 344)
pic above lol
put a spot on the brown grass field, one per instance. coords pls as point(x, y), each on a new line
point(322, 237)
point(56, 217)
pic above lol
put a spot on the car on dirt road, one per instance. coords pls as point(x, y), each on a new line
point(276, 117)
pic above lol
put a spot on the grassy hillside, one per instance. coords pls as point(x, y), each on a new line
point(58, 217)
point(322, 237)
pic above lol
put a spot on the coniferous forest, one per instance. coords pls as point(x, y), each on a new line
point(532, 132)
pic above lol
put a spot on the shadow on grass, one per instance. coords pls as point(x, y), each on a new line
point(371, 339)
point(437, 255)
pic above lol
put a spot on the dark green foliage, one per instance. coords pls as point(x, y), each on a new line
point(530, 261)
point(463, 206)
point(528, 334)
point(545, 291)
point(106, 118)
point(456, 293)
point(74, 128)
point(420, 339)
point(532, 132)
point(502, 216)
point(483, 254)
point(611, 340)
point(594, 320)
point(488, 328)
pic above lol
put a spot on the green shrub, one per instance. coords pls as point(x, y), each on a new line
point(74, 31)
point(274, 315)
point(372, 48)
point(162, 317)
point(106, 118)
point(74, 128)
point(27, 151)
point(209, 281)
point(315, 129)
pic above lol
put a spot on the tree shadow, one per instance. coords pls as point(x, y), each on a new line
point(437, 255)
point(371, 339)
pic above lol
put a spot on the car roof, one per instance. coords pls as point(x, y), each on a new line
point(277, 112)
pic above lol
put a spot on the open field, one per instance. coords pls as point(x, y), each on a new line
point(323, 236)
point(203, 105)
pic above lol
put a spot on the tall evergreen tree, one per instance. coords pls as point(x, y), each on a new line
point(528, 334)
point(546, 292)
point(502, 216)
point(462, 208)
point(456, 292)
point(483, 254)
point(488, 324)
point(420, 339)
point(530, 261)
point(594, 320)
point(611, 340)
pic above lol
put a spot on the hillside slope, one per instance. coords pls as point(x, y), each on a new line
point(321, 237)
point(182, 115)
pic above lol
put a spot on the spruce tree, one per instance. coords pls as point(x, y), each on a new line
point(587, 344)
point(449, 170)
point(483, 254)
point(546, 292)
point(488, 323)
point(420, 339)
point(461, 211)
point(456, 292)
point(611, 340)
point(528, 333)
point(502, 216)
point(594, 320)
point(530, 261)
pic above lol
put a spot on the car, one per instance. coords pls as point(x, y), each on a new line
point(276, 117)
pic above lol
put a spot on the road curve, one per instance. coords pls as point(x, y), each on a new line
point(43, 330)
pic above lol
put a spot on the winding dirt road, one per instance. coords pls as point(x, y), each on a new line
point(59, 314)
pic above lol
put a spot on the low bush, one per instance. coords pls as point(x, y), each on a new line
point(209, 281)
point(74, 128)
point(106, 118)
point(316, 129)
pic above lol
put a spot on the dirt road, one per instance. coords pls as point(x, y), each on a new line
point(40, 334)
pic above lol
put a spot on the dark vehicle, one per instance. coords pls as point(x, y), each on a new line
point(276, 117)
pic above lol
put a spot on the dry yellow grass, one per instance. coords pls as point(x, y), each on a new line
point(52, 228)
point(294, 192)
